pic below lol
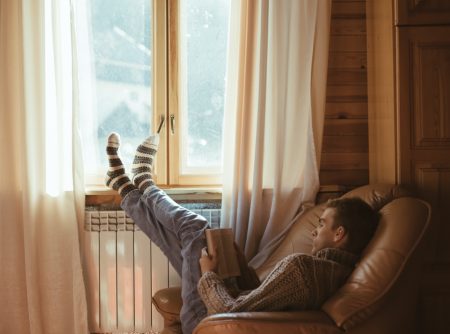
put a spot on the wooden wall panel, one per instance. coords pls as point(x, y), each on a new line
point(349, 8)
point(347, 43)
point(345, 110)
point(342, 127)
point(350, 92)
point(345, 144)
point(346, 161)
point(345, 177)
point(338, 145)
point(344, 59)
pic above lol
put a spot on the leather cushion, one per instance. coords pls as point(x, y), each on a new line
point(299, 239)
point(168, 302)
point(378, 195)
point(298, 322)
point(402, 225)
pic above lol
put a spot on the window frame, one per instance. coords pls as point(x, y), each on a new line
point(166, 102)
point(159, 92)
point(167, 99)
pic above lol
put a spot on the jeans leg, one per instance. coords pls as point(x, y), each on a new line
point(166, 240)
point(180, 234)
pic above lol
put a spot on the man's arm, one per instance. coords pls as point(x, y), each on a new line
point(284, 287)
point(248, 280)
point(221, 300)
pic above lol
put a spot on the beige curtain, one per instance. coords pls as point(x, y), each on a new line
point(276, 80)
point(41, 283)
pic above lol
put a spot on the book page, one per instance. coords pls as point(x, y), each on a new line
point(222, 241)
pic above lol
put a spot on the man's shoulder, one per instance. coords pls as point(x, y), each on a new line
point(326, 256)
point(299, 258)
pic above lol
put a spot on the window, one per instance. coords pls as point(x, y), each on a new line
point(145, 61)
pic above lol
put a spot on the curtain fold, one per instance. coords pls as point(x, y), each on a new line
point(276, 80)
point(42, 287)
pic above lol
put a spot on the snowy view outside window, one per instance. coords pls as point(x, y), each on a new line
point(204, 32)
point(120, 51)
point(121, 44)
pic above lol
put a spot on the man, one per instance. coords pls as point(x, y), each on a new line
point(299, 281)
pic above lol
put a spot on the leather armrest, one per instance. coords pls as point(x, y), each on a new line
point(296, 322)
point(168, 302)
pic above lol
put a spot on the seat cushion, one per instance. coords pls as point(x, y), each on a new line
point(295, 322)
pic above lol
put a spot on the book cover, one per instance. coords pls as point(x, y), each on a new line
point(221, 240)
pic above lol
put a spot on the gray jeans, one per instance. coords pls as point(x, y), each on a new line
point(179, 233)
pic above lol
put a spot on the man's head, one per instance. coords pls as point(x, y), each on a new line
point(347, 223)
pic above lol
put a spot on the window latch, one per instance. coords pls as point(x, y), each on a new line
point(172, 123)
point(161, 122)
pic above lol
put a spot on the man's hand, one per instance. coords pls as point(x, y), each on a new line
point(208, 262)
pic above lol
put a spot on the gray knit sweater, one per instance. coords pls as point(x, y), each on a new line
point(299, 282)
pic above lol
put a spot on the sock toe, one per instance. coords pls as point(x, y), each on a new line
point(142, 167)
point(154, 139)
point(114, 139)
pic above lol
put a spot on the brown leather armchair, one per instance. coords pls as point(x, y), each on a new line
point(380, 296)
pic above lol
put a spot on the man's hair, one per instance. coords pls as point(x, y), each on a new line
point(358, 219)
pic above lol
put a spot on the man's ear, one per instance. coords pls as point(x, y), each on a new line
point(340, 233)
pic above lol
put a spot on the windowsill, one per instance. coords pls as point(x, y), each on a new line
point(102, 194)
point(178, 190)
point(96, 195)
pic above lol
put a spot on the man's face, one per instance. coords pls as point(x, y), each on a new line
point(324, 234)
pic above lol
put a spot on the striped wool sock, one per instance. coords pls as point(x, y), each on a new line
point(116, 178)
point(143, 163)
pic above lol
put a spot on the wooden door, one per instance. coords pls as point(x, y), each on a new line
point(420, 12)
point(423, 124)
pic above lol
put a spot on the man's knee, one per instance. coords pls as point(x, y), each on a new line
point(193, 222)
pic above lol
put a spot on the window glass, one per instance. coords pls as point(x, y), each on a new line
point(203, 39)
point(120, 64)
point(116, 53)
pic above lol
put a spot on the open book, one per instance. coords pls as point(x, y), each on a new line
point(222, 241)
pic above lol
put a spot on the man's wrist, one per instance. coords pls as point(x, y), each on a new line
point(208, 271)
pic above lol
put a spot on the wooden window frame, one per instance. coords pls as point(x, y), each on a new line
point(167, 98)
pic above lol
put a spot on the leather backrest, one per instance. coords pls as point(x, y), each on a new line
point(402, 225)
point(299, 239)
point(403, 222)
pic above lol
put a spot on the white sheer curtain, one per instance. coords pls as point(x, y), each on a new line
point(41, 196)
point(276, 80)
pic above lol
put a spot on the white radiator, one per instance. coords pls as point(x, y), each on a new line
point(123, 270)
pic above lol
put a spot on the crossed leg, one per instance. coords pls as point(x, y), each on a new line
point(178, 232)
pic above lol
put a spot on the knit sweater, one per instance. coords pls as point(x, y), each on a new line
point(299, 282)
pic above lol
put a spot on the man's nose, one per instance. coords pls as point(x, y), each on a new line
point(314, 233)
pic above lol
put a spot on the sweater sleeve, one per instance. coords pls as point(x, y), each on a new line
point(214, 293)
point(284, 287)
